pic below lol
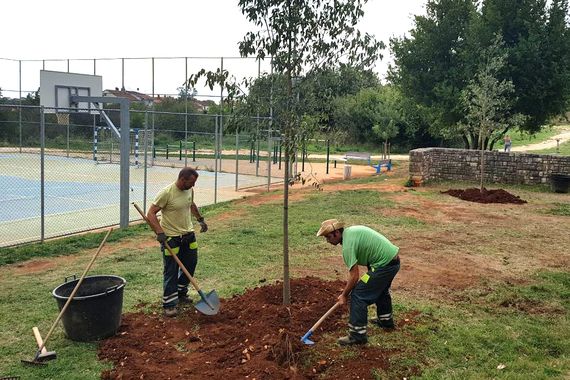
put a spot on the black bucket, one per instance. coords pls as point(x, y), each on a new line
point(560, 183)
point(95, 311)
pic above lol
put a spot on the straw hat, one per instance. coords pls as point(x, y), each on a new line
point(329, 226)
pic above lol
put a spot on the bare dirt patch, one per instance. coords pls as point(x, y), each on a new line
point(253, 336)
point(485, 196)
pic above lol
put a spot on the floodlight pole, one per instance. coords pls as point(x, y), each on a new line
point(124, 148)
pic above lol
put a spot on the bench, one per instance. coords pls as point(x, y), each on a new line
point(383, 164)
point(357, 156)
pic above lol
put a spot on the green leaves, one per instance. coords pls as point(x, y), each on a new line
point(448, 47)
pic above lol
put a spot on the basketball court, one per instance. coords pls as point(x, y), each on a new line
point(82, 195)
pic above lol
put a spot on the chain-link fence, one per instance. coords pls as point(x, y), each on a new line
point(60, 173)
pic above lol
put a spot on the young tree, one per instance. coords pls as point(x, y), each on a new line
point(298, 36)
point(488, 101)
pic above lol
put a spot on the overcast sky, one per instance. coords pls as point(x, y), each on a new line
point(67, 29)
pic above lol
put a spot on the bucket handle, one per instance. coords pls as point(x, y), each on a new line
point(66, 278)
point(112, 288)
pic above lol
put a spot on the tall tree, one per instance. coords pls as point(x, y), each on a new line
point(298, 36)
point(440, 58)
point(432, 65)
point(537, 53)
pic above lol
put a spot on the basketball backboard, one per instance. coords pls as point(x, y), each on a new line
point(56, 88)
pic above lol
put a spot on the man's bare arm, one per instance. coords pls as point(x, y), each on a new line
point(194, 210)
point(353, 277)
point(153, 219)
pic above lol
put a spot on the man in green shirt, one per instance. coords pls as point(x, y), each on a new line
point(363, 246)
point(176, 204)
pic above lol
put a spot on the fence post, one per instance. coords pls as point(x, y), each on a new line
point(303, 152)
point(42, 173)
point(180, 154)
point(328, 154)
point(167, 151)
point(193, 151)
point(95, 138)
point(136, 146)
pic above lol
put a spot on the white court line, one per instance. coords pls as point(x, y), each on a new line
point(19, 199)
point(57, 214)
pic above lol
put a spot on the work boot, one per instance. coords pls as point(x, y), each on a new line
point(170, 312)
point(387, 324)
point(184, 300)
point(350, 340)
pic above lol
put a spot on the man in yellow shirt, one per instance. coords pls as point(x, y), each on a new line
point(176, 204)
point(363, 246)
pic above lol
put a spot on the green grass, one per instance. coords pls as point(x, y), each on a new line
point(560, 209)
point(469, 341)
point(523, 324)
point(62, 247)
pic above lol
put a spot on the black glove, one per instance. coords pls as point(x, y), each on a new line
point(161, 237)
point(203, 225)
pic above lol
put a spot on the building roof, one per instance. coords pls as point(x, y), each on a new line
point(133, 96)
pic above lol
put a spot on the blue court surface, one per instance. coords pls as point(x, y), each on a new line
point(80, 195)
point(20, 197)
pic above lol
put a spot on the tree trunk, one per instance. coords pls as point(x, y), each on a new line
point(466, 143)
point(482, 168)
point(286, 281)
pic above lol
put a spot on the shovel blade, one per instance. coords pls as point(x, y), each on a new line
point(209, 304)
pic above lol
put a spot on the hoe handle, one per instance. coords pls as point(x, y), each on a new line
point(39, 339)
point(194, 283)
point(321, 320)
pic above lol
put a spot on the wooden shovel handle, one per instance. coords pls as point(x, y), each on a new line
point(190, 277)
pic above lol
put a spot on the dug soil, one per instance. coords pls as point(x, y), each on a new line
point(485, 196)
point(252, 337)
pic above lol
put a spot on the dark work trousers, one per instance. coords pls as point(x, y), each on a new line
point(372, 288)
point(175, 281)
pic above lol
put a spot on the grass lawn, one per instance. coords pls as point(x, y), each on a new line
point(486, 286)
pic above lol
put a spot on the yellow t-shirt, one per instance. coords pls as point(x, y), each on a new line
point(175, 208)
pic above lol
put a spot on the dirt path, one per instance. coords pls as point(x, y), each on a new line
point(551, 142)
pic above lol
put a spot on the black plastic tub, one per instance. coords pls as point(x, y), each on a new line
point(560, 183)
point(95, 311)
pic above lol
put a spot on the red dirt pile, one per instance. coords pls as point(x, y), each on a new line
point(253, 336)
point(485, 196)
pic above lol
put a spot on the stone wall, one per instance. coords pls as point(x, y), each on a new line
point(428, 164)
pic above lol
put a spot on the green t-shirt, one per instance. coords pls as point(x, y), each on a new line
point(363, 246)
point(175, 208)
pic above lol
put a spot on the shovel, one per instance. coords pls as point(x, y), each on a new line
point(210, 303)
point(305, 338)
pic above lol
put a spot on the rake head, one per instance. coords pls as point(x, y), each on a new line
point(40, 358)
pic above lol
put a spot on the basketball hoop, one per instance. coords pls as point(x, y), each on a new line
point(62, 118)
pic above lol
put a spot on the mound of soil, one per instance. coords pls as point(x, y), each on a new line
point(253, 336)
point(485, 196)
